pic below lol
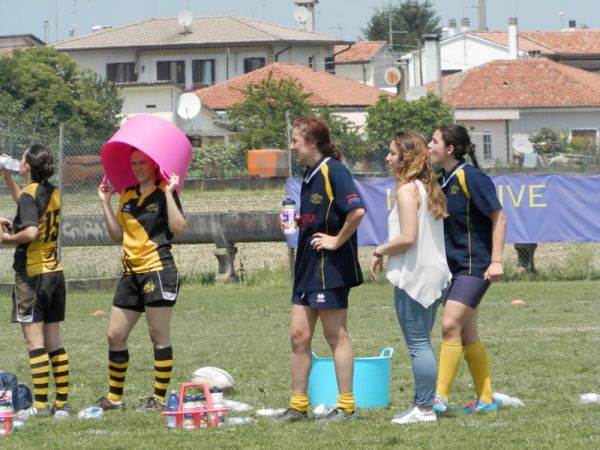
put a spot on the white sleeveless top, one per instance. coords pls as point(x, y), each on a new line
point(421, 270)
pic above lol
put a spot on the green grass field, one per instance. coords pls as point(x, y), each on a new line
point(545, 353)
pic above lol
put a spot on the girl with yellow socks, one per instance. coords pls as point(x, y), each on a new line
point(474, 233)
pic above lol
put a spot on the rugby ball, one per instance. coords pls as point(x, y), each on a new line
point(215, 378)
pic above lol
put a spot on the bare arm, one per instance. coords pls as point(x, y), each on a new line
point(326, 242)
point(11, 184)
point(495, 271)
point(115, 231)
point(408, 209)
point(177, 223)
point(25, 236)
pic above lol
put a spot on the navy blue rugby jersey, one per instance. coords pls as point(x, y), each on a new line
point(468, 227)
point(328, 194)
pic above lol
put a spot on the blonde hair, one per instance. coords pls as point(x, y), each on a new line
point(413, 164)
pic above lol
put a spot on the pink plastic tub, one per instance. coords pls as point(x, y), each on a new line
point(160, 140)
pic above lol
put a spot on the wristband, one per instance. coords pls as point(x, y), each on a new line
point(377, 255)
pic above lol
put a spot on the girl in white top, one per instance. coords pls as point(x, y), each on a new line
point(417, 264)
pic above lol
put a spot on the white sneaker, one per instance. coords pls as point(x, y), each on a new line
point(414, 415)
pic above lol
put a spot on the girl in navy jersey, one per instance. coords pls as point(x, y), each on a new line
point(474, 232)
point(148, 216)
point(326, 265)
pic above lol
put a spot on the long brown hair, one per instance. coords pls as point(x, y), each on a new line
point(414, 164)
point(316, 130)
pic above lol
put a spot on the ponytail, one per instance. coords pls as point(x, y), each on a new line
point(316, 130)
point(472, 157)
point(458, 137)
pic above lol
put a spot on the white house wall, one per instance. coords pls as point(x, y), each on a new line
point(497, 129)
point(228, 64)
point(357, 72)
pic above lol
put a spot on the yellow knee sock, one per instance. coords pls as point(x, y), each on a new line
point(299, 402)
point(345, 402)
point(450, 356)
point(479, 365)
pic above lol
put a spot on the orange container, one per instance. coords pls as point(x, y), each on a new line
point(268, 162)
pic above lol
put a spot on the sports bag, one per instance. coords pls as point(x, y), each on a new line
point(19, 393)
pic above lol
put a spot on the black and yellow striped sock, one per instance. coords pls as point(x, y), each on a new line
point(40, 374)
point(163, 368)
point(60, 370)
point(118, 361)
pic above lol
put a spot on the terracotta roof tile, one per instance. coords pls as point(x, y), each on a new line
point(525, 44)
point(359, 52)
point(325, 88)
point(572, 42)
point(205, 31)
point(524, 83)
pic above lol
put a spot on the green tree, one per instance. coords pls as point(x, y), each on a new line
point(261, 116)
point(48, 89)
point(410, 21)
point(388, 116)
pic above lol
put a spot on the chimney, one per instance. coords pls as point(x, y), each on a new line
point(309, 23)
point(452, 27)
point(464, 24)
point(513, 39)
point(482, 16)
point(431, 58)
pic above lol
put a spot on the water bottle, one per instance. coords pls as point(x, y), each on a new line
point(92, 412)
point(589, 398)
point(6, 162)
point(239, 420)
point(288, 216)
point(172, 406)
point(504, 400)
point(188, 418)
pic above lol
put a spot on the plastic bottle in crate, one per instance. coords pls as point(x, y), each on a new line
point(216, 396)
point(172, 406)
point(188, 418)
point(201, 406)
point(5, 410)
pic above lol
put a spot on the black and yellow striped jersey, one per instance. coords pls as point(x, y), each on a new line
point(146, 234)
point(38, 206)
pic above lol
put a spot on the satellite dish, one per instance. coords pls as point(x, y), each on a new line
point(392, 76)
point(521, 144)
point(415, 93)
point(185, 19)
point(189, 106)
point(301, 14)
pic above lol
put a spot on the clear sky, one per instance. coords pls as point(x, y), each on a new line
point(343, 18)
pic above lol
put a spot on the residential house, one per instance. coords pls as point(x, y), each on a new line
point(18, 41)
point(348, 98)
point(155, 60)
point(577, 47)
point(210, 50)
point(503, 102)
point(365, 62)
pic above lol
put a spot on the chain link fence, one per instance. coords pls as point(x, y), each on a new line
point(78, 172)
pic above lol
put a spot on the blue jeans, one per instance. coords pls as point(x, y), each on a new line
point(416, 323)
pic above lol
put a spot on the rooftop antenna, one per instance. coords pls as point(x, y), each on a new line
point(301, 15)
point(185, 19)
